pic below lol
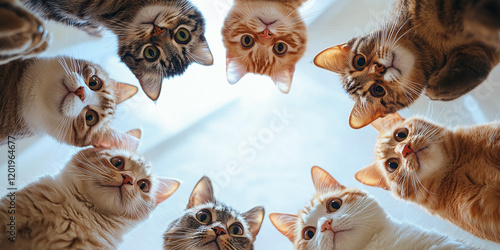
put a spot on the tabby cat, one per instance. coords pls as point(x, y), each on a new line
point(446, 48)
point(264, 37)
point(156, 38)
point(348, 218)
point(100, 195)
point(71, 100)
point(454, 173)
point(210, 224)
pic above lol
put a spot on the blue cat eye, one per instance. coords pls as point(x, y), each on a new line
point(151, 53)
point(392, 165)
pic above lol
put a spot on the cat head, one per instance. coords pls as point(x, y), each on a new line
point(118, 181)
point(209, 224)
point(334, 217)
point(266, 38)
point(407, 153)
point(378, 71)
point(75, 100)
point(163, 40)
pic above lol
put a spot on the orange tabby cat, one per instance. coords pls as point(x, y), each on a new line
point(265, 37)
point(452, 173)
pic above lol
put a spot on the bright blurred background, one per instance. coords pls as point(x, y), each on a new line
point(255, 143)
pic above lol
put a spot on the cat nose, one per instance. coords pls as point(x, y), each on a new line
point(80, 92)
point(406, 150)
point(266, 33)
point(219, 230)
point(157, 31)
point(327, 225)
point(380, 69)
point(127, 179)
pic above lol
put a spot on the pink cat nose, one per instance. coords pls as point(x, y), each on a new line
point(127, 179)
point(406, 150)
point(327, 225)
point(80, 92)
point(266, 34)
point(219, 230)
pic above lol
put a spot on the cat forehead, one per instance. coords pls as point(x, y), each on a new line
point(220, 212)
point(170, 16)
point(133, 162)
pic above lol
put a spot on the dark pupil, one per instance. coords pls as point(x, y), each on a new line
point(393, 165)
point(89, 117)
point(182, 34)
point(247, 40)
point(203, 217)
point(280, 47)
point(335, 205)
point(401, 135)
point(361, 61)
point(310, 234)
point(118, 163)
point(143, 185)
point(151, 52)
point(379, 89)
point(235, 230)
point(93, 83)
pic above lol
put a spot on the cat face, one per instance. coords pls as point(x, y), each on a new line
point(407, 153)
point(334, 217)
point(208, 224)
point(163, 40)
point(378, 71)
point(74, 100)
point(118, 181)
point(266, 38)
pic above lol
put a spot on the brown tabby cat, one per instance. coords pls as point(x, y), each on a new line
point(445, 47)
point(452, 173)
point(264, 37)
point(71, 100)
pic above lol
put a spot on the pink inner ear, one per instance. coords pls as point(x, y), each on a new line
point(234, 70)
point(283, 79)
point(166, 187)
point(119, 140)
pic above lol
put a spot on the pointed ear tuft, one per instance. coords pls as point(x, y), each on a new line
point(285, 223)
point(283, 79)
point(124, 91)
point(166, 187)
point(254, 218)
point(202, 193)
point(234, 70)
point(371, 176)
point(151, 84)
point(322, 180)
point(334, 59)
point(202, 54)
point(384, 123)
point(362, 115)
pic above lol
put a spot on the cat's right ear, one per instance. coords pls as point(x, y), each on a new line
point(384, 123)
point(334, 59)
point(364, 114)
point(202, 193)
point(254, 217)
point(323, 180)
point(234, 69)
point(166, 187)
point(202, 54)
point(116, 139)
point(285, 223)
point(371, 176)
point(151, 84)
point(124, 91)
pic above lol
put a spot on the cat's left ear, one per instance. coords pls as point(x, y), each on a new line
point(124, 91)
point(384, 123)
point(202, 54)
point(364, 114)
point(371, 176)
point(235, 70)
point(254, 218)
point(283, 79)
point(323, 180)
point(285, 223)
point(166, 187)
point(116, 139)
point(202, 193)
point(151, 84)
point(334, 59)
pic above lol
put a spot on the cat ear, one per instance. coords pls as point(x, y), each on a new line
point(323, 180)
point(234, 69)
point(254, 217)
point(285, 223)
point(371, 176)
point(137, 133)
point(334, 59)
point(283, 79)
point(124, 91)
point(202, 54)
point(383, 123)
point(116, 139)
point(151, 84)
point(202, 193)
point(166, 187)
point(362, 115)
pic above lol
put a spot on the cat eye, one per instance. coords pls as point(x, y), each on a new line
point(401, 134)
point(334, 205)
point(117, 162)
point(91, 118)
point(359, 62)
point(151, 53)
point(391, 165)
point(280, 48)
point(182, 36)
point(95, 83)
point(144, 185)
point(236, 229)
point(308, 233)
point(204, 216)
point(377, 90)
point(247, 41)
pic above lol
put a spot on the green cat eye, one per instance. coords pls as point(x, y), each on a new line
point(333, 205)
point(280, 48)
point(236, 229)
point(401, 134)
point(308, 233)
point(151, 53)
point(247, 41)
point(144, 185)
point(182, 36)
point(91, 118)
point(359, 62)
point(117, 162)
point(376, 90)
point(392, 164)
point(204, 216)
point(95, 83)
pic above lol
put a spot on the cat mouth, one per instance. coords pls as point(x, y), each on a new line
point(393, 64)
point(212, 244)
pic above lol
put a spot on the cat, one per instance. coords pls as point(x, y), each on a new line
point(210, 224)
point(100, 195)
point(453, 173)
point(444, 48)
point(348, 218)
point(156, 38)
point(265, 37)
point(71, 100)
point(22, 34)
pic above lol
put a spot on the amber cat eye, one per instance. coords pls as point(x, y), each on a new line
point(377, 90)
point(117, 162)
point(236, 229)
point(392, 164)
point(182, 36)
point(280, 48)
point(95, 83)
point(204, 216)
point(247, 41)
point(144, 185)
point(91, 118)
point(308, 233)
point(401, 134)
point(333, 205)
point(359, 62)
point(151, 53)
